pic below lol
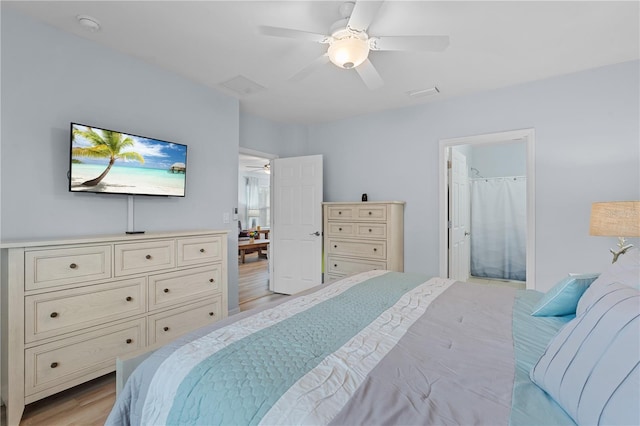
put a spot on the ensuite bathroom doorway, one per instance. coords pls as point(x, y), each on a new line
point(486, 208)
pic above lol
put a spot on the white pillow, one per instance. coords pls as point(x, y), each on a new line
point(625, 271)
point(591, 368)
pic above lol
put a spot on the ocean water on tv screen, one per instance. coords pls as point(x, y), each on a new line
point(128, 180)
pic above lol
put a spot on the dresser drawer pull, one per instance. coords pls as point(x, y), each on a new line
point(370, 213)
point(54, 314)
point(54, 364)
point(166, 290)
point(165, 328)
point(129, 341)
point(339, 212)
point(211, 280)
point(148, 257)
point(369, 230)
point(73, 266)
point(212, 314)
point(129, 299)
point(339, 229)
point(335, 246)
point(335, 265)
point(375, 249)
point(201, 250)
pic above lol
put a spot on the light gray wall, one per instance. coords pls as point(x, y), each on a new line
point(496, 160)
point(586, 150)
point(266, 136)
point(50, 78)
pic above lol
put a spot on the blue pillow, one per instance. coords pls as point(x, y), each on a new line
point(563, 298)
point(591, 368)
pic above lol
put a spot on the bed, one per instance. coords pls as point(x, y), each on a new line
point(384, 347)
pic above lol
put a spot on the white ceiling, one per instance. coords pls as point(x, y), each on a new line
point(492, 45)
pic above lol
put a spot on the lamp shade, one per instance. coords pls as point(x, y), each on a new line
point(615, 219)
point(348, 52)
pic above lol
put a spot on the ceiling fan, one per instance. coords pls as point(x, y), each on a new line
point(350, 44)
point(266, 168)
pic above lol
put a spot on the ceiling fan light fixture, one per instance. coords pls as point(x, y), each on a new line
point(348, 52)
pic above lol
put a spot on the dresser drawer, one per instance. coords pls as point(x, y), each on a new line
point(168, 325)
point(81, 357)
point(54, 267)
point(371, 230)
point(148, 256)
point(192, 284)
point(341, 229)
point(371, 212)
point(341, 212)
point(198, 250)
point(367, 249)
point(344, 266)
point(51, 314)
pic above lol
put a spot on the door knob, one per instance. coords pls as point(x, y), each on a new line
point(466, 233)
point(317, 233)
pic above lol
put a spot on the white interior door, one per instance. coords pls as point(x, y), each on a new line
point(296, 223)
point(459, 209)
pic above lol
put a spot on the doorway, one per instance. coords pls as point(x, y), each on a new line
point(254, 214)
point(456, 241)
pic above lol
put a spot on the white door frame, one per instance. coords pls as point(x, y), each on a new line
point(526, 135)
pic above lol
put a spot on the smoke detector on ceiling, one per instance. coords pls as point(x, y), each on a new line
point(88, 23)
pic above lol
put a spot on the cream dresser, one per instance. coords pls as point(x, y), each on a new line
point(70, 307)
point(359, 237)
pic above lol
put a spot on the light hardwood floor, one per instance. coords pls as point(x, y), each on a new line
point(253, 285)
point(86, 404)
point(91, 402)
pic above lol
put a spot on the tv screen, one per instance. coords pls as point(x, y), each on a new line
point(111, 162)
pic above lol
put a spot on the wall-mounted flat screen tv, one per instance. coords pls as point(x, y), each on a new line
point(111, 162)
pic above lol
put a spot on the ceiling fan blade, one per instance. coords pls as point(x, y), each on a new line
point(362, 15)
point(425, 43)
point(291, 33)
point(304, 72)
point(369, 75)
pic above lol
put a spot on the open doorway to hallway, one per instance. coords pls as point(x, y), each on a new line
point(254, 224)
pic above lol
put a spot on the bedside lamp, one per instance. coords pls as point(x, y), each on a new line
point(616, 219)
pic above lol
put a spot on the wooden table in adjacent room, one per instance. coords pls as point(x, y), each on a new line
point(258, 245)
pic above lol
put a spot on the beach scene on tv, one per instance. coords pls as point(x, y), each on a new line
point(112, 162)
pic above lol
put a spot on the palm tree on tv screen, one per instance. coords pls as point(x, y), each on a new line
point(108, 145)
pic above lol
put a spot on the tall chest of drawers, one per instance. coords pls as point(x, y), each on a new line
point(360, 237)
point(71, 307)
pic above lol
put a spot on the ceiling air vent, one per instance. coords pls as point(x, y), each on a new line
point(420, 93)
point(242, 86)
